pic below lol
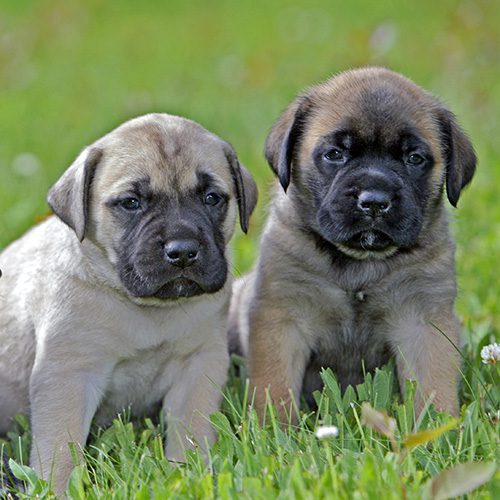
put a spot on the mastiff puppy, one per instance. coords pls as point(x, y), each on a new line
point(357, 261)
point(120, 300)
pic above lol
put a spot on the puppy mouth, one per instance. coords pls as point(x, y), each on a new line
point(178, 288)
point(162, 285)
point(371, 240)
point(369, 244)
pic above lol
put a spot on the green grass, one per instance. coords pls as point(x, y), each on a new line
point(253, 461)
point(72, 70)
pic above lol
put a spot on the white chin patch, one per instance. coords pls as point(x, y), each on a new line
point(369, 238)
point(360, 254)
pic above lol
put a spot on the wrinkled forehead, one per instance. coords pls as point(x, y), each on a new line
point(172, 157)
point(377, 112)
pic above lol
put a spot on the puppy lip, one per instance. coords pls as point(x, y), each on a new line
point(373, 240)
point(362, 254)
point(179, 287)
point(175, 289)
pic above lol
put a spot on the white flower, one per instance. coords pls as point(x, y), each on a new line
point(25, 164)
point(490, 354)
point(326, 431)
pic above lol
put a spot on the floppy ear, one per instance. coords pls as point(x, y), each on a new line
point(460, 159)
point(69, 196)
point(246, 189)
point(281, 141)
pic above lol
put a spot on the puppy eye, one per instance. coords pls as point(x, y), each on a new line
point(415, 159)
point(334, 155)
point(212, 199)
point(130, 204)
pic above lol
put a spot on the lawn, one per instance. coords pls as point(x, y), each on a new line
point(72, 70)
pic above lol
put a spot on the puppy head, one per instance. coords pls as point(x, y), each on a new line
point(159, 195)
point(367, 154)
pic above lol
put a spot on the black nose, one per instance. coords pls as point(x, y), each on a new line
point(182, 253)
point(374, 203)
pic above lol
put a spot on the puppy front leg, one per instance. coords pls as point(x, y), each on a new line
point(277, 359)
point(425, 354)
point(195, 394)
point(63, 403)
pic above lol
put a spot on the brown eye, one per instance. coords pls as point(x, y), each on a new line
point(130, 204)
point(334, 155)
point(415, 159)
point(212, 199)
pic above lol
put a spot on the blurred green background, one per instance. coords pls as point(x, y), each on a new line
point(70, 71)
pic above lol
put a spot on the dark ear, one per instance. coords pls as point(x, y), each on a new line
point(244, 185)
point(459, 156)
point(69, 196)
point(281, 141)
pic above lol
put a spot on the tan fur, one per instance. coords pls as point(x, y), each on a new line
point(295, 302)
point(74, 343)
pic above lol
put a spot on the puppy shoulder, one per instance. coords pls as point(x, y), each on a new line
point(36, 266)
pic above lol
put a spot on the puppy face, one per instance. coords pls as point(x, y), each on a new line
point(368, 154)
point(160, 196)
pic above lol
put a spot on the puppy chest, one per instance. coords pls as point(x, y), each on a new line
point(351, 342)
point(138, 384)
